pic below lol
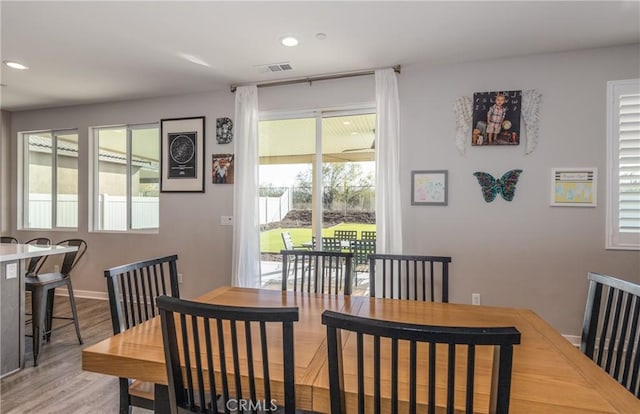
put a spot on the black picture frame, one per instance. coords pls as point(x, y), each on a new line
point(182, 160)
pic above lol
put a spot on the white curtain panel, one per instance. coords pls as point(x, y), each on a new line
point(246, 228)
point(388, 202)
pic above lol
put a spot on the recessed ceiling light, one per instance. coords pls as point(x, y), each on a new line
point(289, 41)
point(15, 65)
point(354, 133)
point(194, 59)
point(346, 123)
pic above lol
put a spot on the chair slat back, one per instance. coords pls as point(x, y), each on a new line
point(345, 234)
point(611, 331)
point(412, 277)
point(133, 289)
point(317, 272)
point(71, 259)
point(368, 235)
point(373, 338)
point(35, 263)
point(8, 239)
point(207, 337)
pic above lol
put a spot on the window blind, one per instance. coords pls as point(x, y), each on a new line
point(623, 165)
point(629, 163)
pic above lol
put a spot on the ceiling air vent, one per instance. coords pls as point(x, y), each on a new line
point(274, 67)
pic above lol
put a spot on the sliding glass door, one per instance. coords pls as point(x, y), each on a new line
point(317, 176)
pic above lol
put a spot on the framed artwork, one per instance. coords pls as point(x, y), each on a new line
point(224, 130)
point(496, 118)
point(222, 171)
point(182, 155)
point(429, 188)
point(574, 187)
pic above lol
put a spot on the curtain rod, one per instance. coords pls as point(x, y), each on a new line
point(311, 79)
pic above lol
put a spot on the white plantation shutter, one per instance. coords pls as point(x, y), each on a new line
point(623, 204)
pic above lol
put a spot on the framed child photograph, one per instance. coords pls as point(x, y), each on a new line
point(496, 118)
point(182, 154)
point(429, 188)
point(222, 171)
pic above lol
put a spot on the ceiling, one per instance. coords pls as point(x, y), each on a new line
point(88, 52)
point(293, 141)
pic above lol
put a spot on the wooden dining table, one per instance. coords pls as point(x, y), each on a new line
point(550, 375)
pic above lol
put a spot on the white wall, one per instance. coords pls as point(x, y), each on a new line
point(524, 253)
point(521, 254)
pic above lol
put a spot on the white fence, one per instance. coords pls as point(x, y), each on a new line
point(112, 211)
point(274, 208)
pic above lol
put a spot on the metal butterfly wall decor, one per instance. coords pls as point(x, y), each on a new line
point(505, 185)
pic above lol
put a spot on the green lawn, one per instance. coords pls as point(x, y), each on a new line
point(271, 240)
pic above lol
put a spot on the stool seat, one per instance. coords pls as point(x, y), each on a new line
point(45, 279)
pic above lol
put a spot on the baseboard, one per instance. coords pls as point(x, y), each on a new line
point(574, 339)
point(86, 294)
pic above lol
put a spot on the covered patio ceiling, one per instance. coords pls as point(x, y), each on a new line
point(292, 141)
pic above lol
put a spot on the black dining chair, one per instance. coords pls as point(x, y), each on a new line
point(8, 239)
point(42, 287)
point(34, 264)
point(611, 328)
point(133, 289)
point(413, 277)
point(317, 271)
point(194, 332)
point(373, 332)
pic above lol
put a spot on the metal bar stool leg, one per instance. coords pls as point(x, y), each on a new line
point(74, 311)
point(49, 318)
point(38, 311)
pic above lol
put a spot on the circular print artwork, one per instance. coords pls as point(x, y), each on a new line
point(224, 130)
point(182, 149)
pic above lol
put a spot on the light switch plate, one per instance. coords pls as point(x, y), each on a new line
point(226, 220)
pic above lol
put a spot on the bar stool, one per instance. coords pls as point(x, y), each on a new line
point(42, 288)
point(36, 262)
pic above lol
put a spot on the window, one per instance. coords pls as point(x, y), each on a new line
point(50, 179)
point(316, 177)
point(126, 171)
point(623, 163)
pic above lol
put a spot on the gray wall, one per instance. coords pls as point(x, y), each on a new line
point(189, 222)
point(5, 171)
point(521, 254)
point(524, 253)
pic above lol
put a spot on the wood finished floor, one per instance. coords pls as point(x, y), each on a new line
point(58, 385)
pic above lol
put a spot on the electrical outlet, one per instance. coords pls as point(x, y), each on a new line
point(56, 268)
point(475, 299)
point(11, 271)
point(179, 277)
point(226, 220)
